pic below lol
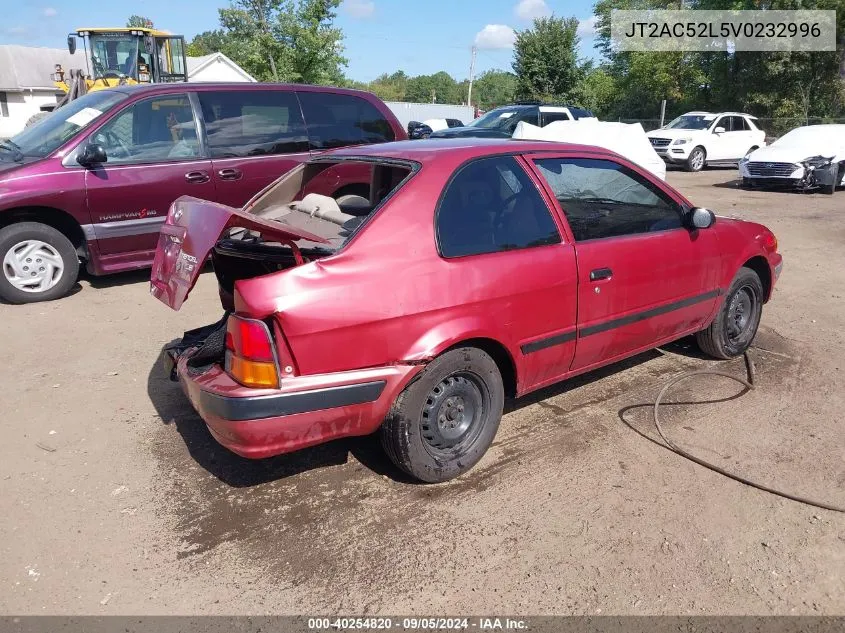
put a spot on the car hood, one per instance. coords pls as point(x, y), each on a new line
point(192, 228)
point(796, 153)
point(673, 134)
point(469, 131)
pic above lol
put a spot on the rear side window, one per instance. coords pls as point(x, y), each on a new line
point(338, 120)
point(603, 199)
point(253, 123)
point(489, 206)
point(550, 117)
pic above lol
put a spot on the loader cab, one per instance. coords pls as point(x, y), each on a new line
point(130, 55)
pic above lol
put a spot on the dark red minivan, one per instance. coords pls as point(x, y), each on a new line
point(93, 181)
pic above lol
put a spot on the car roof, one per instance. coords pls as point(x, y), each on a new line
point(456, 149)
point(702, 113)
point(170, 88)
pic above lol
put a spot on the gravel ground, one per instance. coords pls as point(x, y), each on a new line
point(117, 501)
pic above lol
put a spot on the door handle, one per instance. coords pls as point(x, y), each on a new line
point(601, 273)
point(197, 176)
point(230, 174)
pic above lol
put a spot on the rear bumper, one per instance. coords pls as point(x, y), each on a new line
point(306, 411)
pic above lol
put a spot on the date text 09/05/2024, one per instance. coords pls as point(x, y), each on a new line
point(416, 624)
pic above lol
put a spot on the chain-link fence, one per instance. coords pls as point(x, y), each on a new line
point(774, 127)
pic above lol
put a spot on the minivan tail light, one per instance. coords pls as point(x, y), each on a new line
point(249, 353)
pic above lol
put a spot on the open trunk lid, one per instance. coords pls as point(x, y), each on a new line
point(192, 229)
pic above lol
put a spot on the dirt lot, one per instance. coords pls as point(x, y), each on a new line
point(116, 500)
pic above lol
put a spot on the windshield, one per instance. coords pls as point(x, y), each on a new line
point(691, 122)
point(53, 131)
point(114, 54)
point(498, 118)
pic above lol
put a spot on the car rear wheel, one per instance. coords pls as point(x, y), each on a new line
point(735, 326)
point(697, 158)
point(39, 263)
point(445, 420)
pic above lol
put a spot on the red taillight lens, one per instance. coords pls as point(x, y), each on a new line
point(249, 353)
point(249, 339)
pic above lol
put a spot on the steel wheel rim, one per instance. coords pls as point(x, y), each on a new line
point(740, 317)
point(453, 413)
point(697, 159)
point(33, 266)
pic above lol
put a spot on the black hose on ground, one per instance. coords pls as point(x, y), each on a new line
point(748, 383)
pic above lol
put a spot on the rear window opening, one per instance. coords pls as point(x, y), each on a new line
point(332, 200)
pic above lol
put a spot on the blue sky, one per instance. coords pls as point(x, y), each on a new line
point(380, 35)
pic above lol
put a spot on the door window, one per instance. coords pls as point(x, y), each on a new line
point(738, 124)
point(253, 123)
point(156, 130)
point(550, 117)
point(601, 198)
point(338, 120)
point(489, 206)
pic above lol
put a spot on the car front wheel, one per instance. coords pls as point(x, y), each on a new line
point(696, 159)
point(39, 263)
point(735, 326)
point(445, 420)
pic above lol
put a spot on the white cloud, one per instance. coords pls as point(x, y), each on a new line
point(587, 28)
point(530, 9)
point(359, 8)
point(495, 36)
point(49, 12)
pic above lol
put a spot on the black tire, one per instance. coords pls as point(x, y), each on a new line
point(422, 433)
point(15, 233)
point(692, 162)
point(735, 325)
point(831, 188)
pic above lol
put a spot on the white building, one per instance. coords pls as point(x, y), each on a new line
point(26, 87)
point(216, 67)
point(25, 84)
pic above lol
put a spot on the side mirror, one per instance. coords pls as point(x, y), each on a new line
point(92, 154)
point(700, 218)
point(719, 130)
point(71, 43)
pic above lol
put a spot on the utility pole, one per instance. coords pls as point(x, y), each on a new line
point(471, 75)
point(662, 112)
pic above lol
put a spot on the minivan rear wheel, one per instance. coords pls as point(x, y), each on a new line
point(38, 263)
point(445, 420)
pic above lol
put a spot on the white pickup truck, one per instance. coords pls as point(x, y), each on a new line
point(696, 139)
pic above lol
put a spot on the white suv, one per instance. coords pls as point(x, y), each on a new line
point(696, 139)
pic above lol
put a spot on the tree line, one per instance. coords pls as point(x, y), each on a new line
point(297, 41)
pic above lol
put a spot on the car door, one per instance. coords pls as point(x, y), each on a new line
point(642, 277)
point(718, 142)
point(154, 156)
point(513, 270)
point(254, 136)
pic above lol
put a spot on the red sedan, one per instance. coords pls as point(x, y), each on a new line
point(475, 270)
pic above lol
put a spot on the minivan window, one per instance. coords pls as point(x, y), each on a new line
point(155, 130)
point(253, 123)
point(338, 120)
point(53, 131)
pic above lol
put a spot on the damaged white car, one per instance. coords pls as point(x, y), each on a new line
point(810, 158)
point(626, 139)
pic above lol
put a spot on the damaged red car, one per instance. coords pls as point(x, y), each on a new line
point(474, 270)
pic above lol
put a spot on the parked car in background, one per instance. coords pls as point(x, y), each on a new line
point(697, 139)
point(501, 122)
point(417, 129)
point(93, 181)
point(522, 263)
point(807, 158)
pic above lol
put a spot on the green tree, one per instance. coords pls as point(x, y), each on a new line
point(210, 42)
point(440, 87)
point(493, 88)
point(139, 22)
point(597, 91)
point(546, 60)
point(283, 40)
